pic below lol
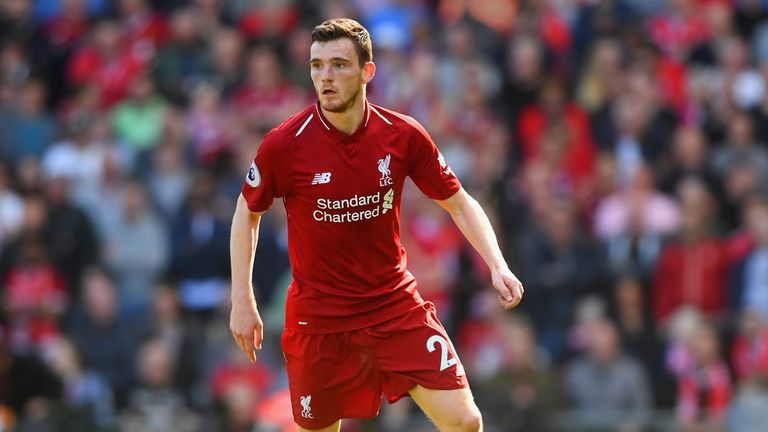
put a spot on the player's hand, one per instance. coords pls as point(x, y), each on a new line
point(246, 326)
point(509, 287)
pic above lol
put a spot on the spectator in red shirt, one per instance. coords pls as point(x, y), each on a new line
point(434, 245)
point(105, 63)
point(704, 388)
point(749, 352)
point(266, 98)
point(678, 29)
point(143, 30)
point(269, 20)
point(553, 105)
point(68, 26)
point(692, 269)
point(236, 371)
point(35, 296)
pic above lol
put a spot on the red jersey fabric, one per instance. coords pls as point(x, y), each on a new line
point(342, 198)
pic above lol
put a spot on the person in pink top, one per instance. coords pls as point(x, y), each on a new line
point(355, 324)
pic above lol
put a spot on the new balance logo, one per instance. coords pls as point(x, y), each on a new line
point(321, 178)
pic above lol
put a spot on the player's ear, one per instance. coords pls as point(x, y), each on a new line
point(369, 70)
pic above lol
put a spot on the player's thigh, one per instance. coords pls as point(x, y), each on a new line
point(450, 410)
point(332, 428)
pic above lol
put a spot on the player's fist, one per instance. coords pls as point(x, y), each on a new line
point(509, 287)
point(246, 326)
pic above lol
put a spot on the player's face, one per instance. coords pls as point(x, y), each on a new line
point(337, 75)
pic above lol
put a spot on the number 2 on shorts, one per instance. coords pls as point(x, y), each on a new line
point(445, 362)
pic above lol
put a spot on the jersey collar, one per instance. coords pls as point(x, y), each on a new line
point(339, 135)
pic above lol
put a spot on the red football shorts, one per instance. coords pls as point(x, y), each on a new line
point(343, 375)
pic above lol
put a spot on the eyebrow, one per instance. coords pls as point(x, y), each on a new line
point(315, 59)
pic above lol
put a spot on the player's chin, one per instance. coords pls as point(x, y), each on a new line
point(332, 106)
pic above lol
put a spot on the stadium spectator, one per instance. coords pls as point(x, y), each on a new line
point(740, 148)
point(106, 63)
point(704, 386)
point(598, 83)
point(181, 62)
point(86, 395)
point(143, 29)
point(639, 338)
point(749, 352)
point(555, 257)
point(633, 222)
point(79, 159)
point(512, 374)
point(226, 66)
point(30, 128)
point(692, 269)
point(29, 386)
point(136, 247)
point(11, 209)
point(107, 340)
point(199, 250)
point(553, 106)
point(265, 98)
point(165, 322)
point(209, 125)
point(524, 74)
point(169, 180)
point(156, 405)
point(35, 295)
point(748, 283)
point(634, 126)
point(747, 410)
point(434, 245)
point(138, 120)
point(606, 389)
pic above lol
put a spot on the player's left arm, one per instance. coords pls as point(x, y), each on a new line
point(471, 219)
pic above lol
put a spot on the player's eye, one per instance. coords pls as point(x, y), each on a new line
point(339, 65)
point(315, 66)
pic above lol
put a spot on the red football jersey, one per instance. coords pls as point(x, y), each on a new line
point(342, 198)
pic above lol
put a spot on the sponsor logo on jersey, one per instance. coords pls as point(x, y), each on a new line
point(389, 197)
point(383, 165)
point(253, 178)
point(321, 178)
point(306, 410)
point(354, 209)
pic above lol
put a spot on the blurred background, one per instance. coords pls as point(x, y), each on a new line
point(619, 147)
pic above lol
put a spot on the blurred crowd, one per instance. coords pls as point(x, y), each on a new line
point(620, 148)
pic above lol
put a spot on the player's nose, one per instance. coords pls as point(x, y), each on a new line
point(326, 74)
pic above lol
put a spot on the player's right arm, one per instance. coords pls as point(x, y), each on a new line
point(244, 322)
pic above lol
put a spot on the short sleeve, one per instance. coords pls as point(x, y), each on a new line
point(265, 179)
point(428, 169)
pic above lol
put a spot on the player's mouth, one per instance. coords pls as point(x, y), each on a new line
point(328, 92)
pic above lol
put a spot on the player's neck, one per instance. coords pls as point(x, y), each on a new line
point(348, 121)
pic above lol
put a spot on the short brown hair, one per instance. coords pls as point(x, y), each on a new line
point(339, 28)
